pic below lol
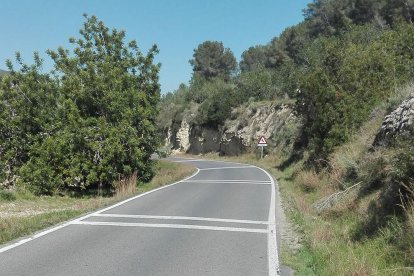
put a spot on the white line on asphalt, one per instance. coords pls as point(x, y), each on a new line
point(23, 241)
point(272, 252)
point(222, 168)
point(175, 226)
point(182, 218)
point(186, 160)
point(227, 182)
point(273, 259)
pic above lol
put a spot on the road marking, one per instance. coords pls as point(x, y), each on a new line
point(174, 226)
point(223, 168)
point(48, 231)
point(187, 160)
point(182, 218)
point(272, 253)
point(227, 182)
point(273, 259)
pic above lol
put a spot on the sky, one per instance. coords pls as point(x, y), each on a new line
point(176, 26)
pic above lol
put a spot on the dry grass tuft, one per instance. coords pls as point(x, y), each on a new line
point(126, 187)
point(321, 235)
point(302, 205)
point(308, 181)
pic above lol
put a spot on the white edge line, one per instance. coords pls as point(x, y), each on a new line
point(221, 168)
point(272, 252)
point(48, 231)
point(273, 259)
point(183, 218)
point(176, 226)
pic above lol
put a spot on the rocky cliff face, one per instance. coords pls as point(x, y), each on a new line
point(397, 122)
point(239, 134)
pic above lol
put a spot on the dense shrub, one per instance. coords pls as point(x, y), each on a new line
point(88, 125)
point(217, 107)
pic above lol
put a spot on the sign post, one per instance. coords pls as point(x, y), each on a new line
point(262, 143)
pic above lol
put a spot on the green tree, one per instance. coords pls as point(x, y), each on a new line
point(346, 78)
point(212, 60)
point(216, 108)
point(92, 123)
point(28, 104)
point(259, 85)
point(396, 11)
point(253, 58)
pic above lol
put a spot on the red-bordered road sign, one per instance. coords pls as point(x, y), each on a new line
point(262, 142)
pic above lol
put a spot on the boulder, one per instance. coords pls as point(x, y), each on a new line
point(396, 123)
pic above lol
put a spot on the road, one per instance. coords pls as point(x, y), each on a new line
point(220, 221)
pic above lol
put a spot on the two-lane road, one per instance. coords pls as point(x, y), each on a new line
point(220, 221)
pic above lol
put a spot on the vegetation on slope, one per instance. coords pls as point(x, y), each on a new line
point(344, 66)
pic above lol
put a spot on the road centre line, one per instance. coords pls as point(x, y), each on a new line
point(182, 218)
point(221, 168)
point(174, 226)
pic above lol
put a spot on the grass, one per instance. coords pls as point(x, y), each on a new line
point(23, 214)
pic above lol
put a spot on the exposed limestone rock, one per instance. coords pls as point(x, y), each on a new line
point(251, 123)
point(397, 122)
point(182, 137)
point(239, 133)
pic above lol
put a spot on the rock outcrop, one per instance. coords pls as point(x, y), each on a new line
point(239, 133)
point(396, 123)
point(263, 120)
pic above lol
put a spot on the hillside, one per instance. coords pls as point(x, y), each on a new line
point(345, 162)
point(3, 72)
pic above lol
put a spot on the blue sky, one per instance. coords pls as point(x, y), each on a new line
point(176, 26)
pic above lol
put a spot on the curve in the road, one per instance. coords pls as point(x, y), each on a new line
point(215, 198)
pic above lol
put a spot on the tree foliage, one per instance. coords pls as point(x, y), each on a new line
point(212, 60)
point(253, 58)
point(90, 123)
point(347, 80)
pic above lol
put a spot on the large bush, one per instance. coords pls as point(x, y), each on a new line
point(90, 124)
point(216, 108)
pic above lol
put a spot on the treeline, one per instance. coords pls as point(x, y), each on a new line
point(338, 64)
point(88, 123)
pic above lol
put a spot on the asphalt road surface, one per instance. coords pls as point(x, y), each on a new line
point(220, 221)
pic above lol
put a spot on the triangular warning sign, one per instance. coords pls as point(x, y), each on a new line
point(262, 141)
